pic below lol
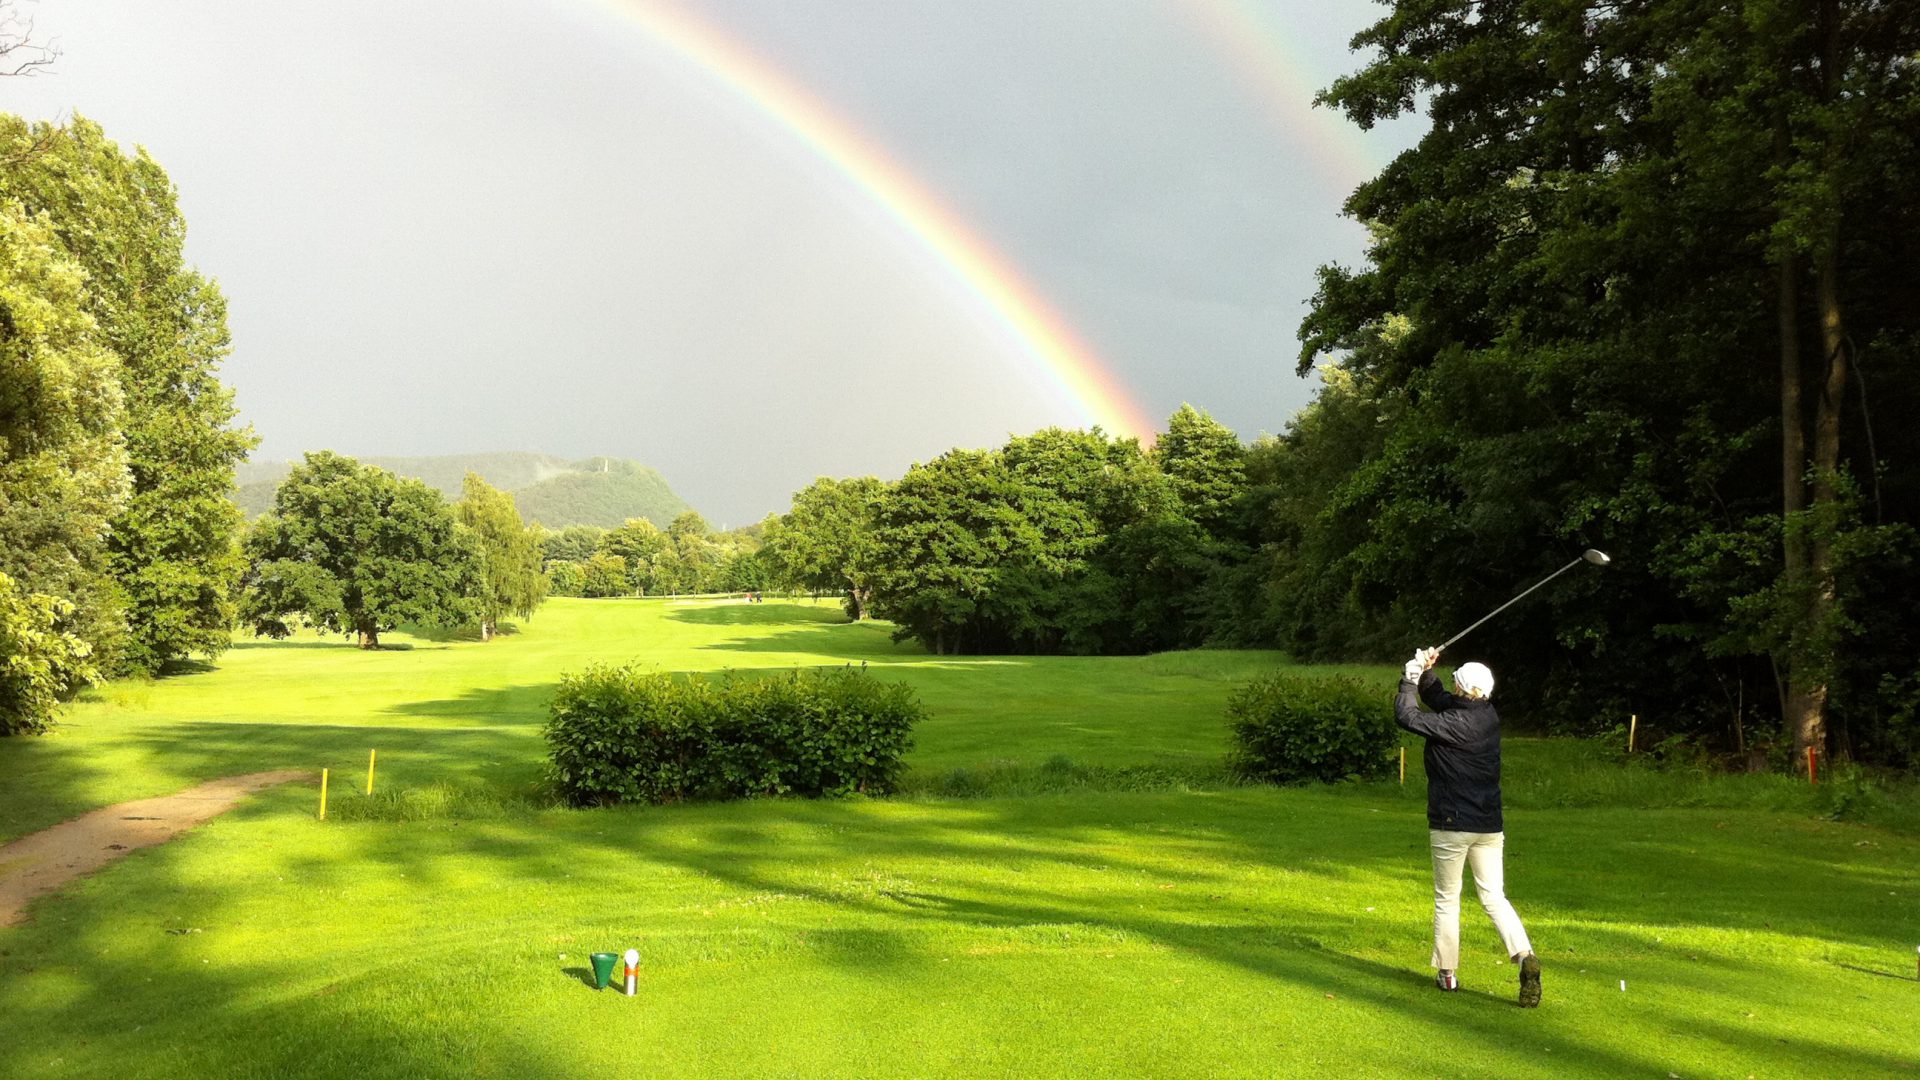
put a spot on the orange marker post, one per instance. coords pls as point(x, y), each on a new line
point(1633, 729)
point(370, 755)
point(1403, 766)
point(1812, 777)
point(323, 794)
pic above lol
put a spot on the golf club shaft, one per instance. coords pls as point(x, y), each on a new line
point(1511, 602)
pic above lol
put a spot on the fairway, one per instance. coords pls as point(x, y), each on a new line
point(1150, 919)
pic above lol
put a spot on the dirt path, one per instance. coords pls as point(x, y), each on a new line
point(39, 863)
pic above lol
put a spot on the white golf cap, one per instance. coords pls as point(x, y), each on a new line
point(1474, 679)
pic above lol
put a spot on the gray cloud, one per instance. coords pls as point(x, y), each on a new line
point(452, 227)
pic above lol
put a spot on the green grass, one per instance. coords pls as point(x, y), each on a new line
point(1069, 887)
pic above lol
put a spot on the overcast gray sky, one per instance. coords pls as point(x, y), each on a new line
point(451, 227)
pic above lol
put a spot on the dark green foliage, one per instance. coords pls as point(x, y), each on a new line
point(41, 663)
point(1590, 287)
point(825, 543)
point(355, 549)
point(1062, 541)
point(1206, 465)
point(1290, 728)
point(617, 734)
point(972, 556)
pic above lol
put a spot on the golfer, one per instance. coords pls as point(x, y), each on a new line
point(1463, 809)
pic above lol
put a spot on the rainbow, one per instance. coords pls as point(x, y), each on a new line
point(1064, 362)
point(1277, 70)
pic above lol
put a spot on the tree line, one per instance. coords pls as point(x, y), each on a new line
point(1059, 541)
point(1646, 285)
point(640, 558)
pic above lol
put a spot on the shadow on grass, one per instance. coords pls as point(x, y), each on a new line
point(269, 643)
point(1165, 872)
point(503, 705)
point(740, 613)
point(807, 629)
point(447, 634)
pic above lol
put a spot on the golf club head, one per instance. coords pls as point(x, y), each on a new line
point(1597, 558)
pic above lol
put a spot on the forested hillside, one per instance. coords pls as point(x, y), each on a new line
point(549, 490)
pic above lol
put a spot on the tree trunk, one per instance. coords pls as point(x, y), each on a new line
point(1808, 720)
point(486, 630)
point(369, 637)
point(1807, 682)
point(1802, 703)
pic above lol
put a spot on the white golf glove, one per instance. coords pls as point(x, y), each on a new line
point(1415, 667)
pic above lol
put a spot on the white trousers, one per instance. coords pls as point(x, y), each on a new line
point(1485, 853)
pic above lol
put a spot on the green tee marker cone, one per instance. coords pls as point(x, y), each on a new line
point(603, 968)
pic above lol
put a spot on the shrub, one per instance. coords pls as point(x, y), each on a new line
point(41, 664)
point(616, 734)
point(1288, 728)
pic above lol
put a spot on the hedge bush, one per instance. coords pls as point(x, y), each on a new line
point(1287, 728)
point(617, 734)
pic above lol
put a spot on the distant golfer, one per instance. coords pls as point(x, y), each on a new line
point(1463, 809)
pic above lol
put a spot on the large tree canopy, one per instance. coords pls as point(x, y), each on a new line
point(824, 543)
point(62, 475)
point(355, 549)
point(1619, 295)
point(171, 546)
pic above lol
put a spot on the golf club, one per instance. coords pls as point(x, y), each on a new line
point(1597, 558)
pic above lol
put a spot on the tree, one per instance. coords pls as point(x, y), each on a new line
point(575, 543)
point(970, 557)
point(62, 457)
point(824, 543)
point(605, 575)
point(171, 548)
point(640, 546)
point(565, 578)
point(1207, 465)
point(1617, 213)
point(41, 663)
point(688, 523)
point(354, 549)
point(510, 576)
point(20, 54)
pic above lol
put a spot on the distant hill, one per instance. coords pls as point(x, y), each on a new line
point(550, 490)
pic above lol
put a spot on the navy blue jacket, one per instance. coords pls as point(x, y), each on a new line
point(1463, 755)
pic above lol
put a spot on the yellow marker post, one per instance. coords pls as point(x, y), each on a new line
point(323, 794)
point(1633, 728)
point(370, 756)
point(1403, 765)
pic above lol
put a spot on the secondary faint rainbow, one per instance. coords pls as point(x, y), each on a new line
point(1058, 355)
point(1263, 55)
